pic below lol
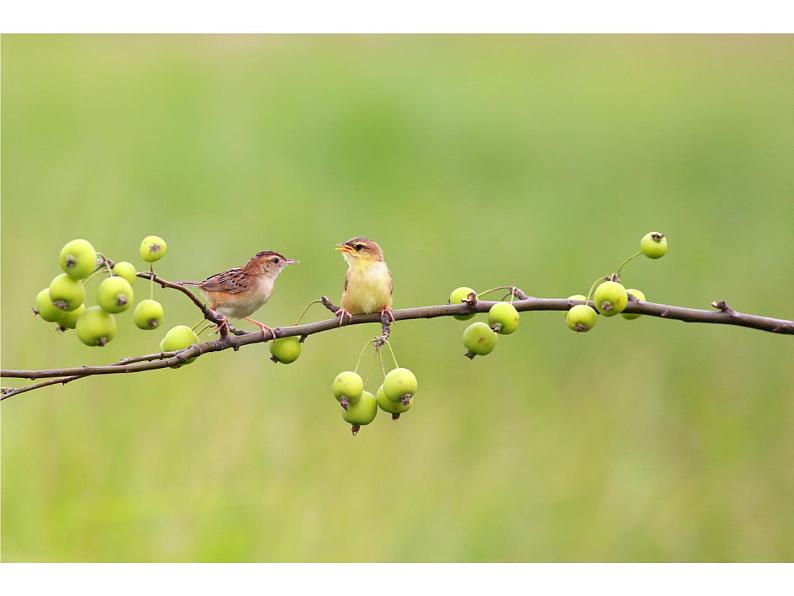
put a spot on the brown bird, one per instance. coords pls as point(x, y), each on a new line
point(368, 283)
point(239, 292)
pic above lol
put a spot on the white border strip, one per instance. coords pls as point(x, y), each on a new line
point(403, 16)
point(398, 580)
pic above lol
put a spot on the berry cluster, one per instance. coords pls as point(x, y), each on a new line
point(63, 302)
point(395, 395)
point(359, 406)
point(609, 296)
point(480, 338)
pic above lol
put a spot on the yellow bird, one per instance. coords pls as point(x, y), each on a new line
point(368, 285)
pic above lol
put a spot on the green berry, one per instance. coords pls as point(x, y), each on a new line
point(126, 270)
point(395, 408)
point(66, 293)
point(78, 259)
point(459, 296)
point(153, 248)
point(479, 339)
point(653, 245)
point(69, 320)
point(95, 327)
point(148, 315)
point(179, 338)
point(400, 384)
point(581, 318)
point(638, 295)
point(347, 388)
point(610, 298)
point(46, 309)
point(577, 297)
point(115, 294)
point(285, 349)
point(362, 412)
point(503, 318)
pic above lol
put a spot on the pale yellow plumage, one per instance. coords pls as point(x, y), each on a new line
point(367, 288)
point(368, 284)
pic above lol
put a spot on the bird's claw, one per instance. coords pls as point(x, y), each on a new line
point(263, 328)
point(387, 314)
point(223, 327)
point(342, 313)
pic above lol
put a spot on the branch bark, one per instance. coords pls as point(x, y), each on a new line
point(723, 315)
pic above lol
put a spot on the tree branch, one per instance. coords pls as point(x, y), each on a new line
point(723, 315)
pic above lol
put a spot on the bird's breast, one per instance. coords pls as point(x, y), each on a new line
point(265, 288)
point(368, 289)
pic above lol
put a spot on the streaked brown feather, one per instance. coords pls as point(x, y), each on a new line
point(232, 281)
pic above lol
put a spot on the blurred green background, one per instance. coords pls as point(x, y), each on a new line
point(473, 160)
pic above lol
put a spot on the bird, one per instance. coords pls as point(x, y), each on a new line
point(239, 292)
point(368, 283)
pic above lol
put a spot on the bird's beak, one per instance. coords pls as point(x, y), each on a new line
point(343, 248)
point(291, 261)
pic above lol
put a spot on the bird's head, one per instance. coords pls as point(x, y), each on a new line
point(268, 263)
point(360, 250)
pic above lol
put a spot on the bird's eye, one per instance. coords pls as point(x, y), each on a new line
point(276, 260)
point(358, 247)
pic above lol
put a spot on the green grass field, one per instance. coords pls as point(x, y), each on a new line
point(473, 160)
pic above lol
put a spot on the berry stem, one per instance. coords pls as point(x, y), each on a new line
point(511, 288)
point(305, 310)
point(596, 283)
point(92, 276)
point(628, 260)
point(99, 268)
point(361, 355)
point(369, 372)
point(380, 360)
point(151, 281)
point(203, 329)
point(105, 263)
point(393, 357)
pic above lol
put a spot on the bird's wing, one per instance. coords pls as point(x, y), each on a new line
point(391, 283)
point(347, 278)
point(231, 282)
